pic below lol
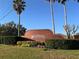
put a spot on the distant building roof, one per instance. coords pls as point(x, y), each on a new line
point(42, 35)
point(39, 35)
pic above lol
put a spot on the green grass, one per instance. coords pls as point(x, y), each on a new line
point(15, 52)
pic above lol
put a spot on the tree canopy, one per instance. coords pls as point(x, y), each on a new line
point(11, 29)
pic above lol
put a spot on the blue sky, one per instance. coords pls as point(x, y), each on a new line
point(37, 14)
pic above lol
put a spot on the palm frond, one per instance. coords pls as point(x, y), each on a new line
point(77, 0)
point(18, 6)
point(51, 0)
point(62, 1)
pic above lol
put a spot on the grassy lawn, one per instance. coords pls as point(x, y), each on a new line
point(15, 52)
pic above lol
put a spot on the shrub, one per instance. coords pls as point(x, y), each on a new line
point(49, 44)
point(33, 44)
point(25, 44)
point(30, 44)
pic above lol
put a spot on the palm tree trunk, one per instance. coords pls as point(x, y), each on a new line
point(65, 16)
point(65, 19)
point(19, 26)
point(52, 15)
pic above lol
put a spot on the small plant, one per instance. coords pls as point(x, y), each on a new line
point(25, 44)
point(19, 43)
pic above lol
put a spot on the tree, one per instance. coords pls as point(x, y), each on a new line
point(65, 12)
point(65, 16)
point(19, 6)
point(71, 30)
point(52, 12)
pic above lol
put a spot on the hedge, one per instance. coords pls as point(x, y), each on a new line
point(62, 44)
point(8, 40)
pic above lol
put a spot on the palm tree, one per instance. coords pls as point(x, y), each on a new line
point(65, 13)
point(52, 12)
point(19, 6)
